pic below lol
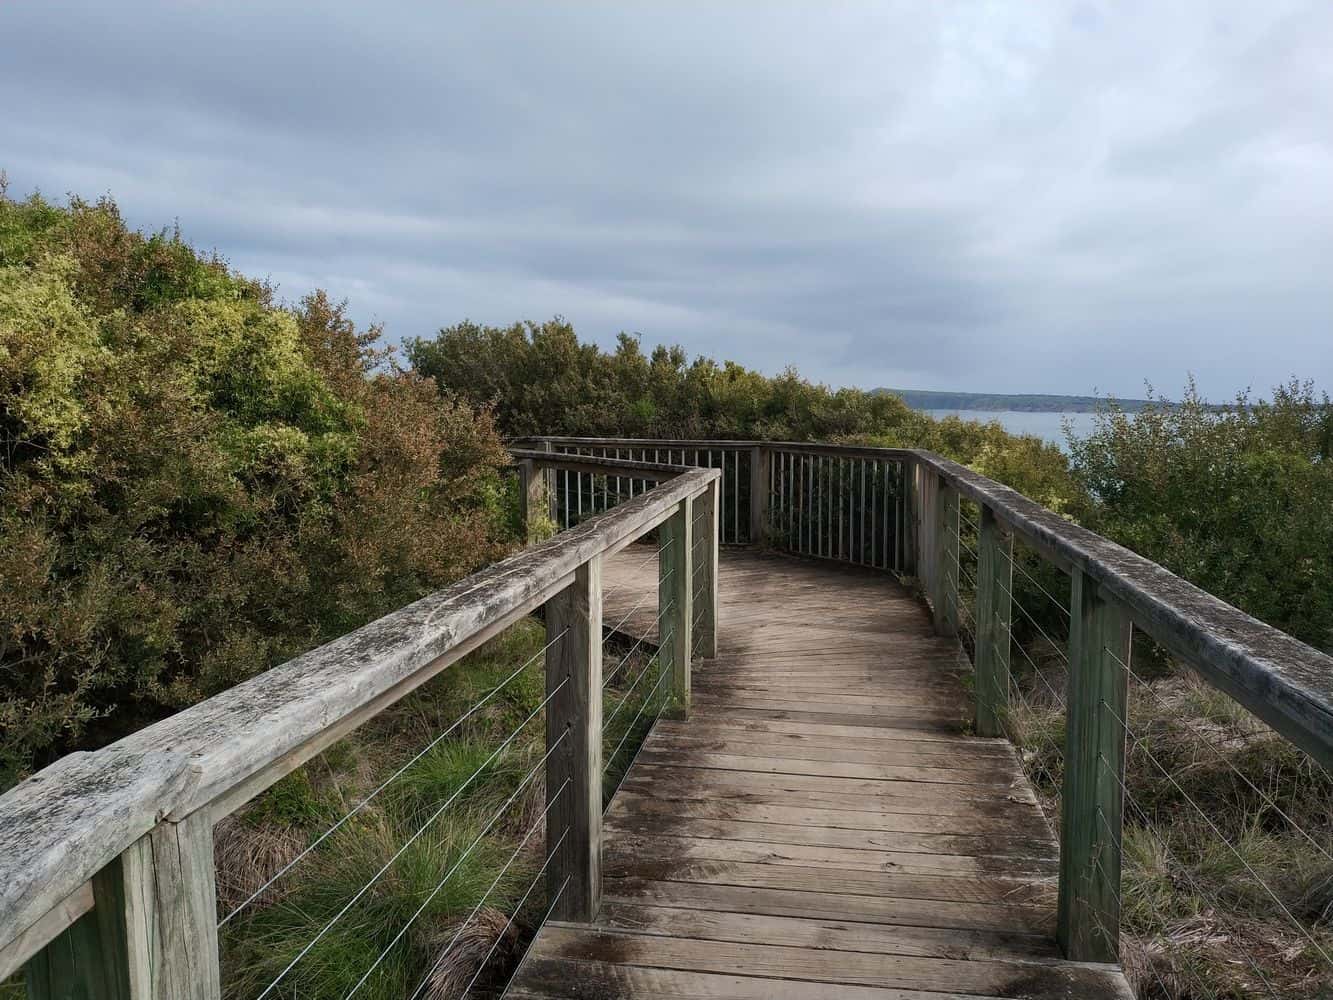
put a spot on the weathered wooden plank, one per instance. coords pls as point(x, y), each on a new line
point(856, 736)
point(995, 586)
point(992, 850)
point(795, 902)
point(900, 719)
point(170, 912)
point(901, 754)
point(883, 939)
point(598, 465)
point(705, 572)
point(1005, 979)
point(675, 602)
point(946, 552)
point(88, 957)
point(678, 845)
point(543, 978)
point(1025, 823)
point(848, 793)
point(1093, 794)
point(841, 882)
point(574, 740)
point(768, 764)
point(761, 459)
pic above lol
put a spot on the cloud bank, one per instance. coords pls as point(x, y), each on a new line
point(1002, 197)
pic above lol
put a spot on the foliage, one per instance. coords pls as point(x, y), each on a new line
point(542, 380)
point(1239, 503)
point(196, 483)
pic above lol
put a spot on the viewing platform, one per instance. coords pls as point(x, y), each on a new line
point(777, 692)
point(822, 825)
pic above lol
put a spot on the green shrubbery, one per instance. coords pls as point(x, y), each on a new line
point(1240, 503)
point(195, 483)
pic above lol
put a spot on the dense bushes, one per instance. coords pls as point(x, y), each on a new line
point(542, 380)
point(196, 484)
point(1240, 502)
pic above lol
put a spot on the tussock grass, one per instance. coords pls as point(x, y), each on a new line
point(441, 948)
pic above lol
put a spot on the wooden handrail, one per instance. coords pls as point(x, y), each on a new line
point(72, 820)
point(1283, 681)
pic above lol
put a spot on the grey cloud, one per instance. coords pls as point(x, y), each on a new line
point(1022, 197)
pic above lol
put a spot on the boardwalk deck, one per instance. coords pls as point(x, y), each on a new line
point(822, 826)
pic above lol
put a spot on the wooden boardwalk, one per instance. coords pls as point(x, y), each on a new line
point(821, 826)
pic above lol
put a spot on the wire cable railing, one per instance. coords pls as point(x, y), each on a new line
point(449, 731)
point(420, 831)
point(1035, 722)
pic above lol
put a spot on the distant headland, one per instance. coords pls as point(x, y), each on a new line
point(926, 399)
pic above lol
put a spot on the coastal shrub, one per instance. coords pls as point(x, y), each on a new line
point(1239, 502)
point(197, 483)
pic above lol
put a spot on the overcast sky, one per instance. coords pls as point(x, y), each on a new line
point(1016, 196)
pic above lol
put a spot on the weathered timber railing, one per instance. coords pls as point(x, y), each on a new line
point(901, 510)
point(107, 883)
point(830, 502)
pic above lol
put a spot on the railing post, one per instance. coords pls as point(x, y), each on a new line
point(911, 503)
point(675, 603)
point(552, 501)
point(760, 459)
point(532, 495)
point(995, 551)
point(927, 564)
point(152, 932)
point(945, 590)
point(1088, 924)
point(574, 768)
point(704, 572)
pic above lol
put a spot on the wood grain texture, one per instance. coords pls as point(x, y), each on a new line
point(574, 738)
point(1093, 794)
point(995, 587)
point(822, 825)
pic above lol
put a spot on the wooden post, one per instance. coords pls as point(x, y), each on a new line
point(995, 551)
point(909, 508)
point(552, 502)
point(532, 495)
point(574, 769)
point(90, 958)
point(705, 571)
point(152, 933)
point(760, 461)
point(675, 604)
point(1091, 807)
point(945, 591)
point(927, 564)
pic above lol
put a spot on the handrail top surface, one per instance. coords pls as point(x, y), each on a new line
point(559, 460)
point(1282, 680)
point(68, 821)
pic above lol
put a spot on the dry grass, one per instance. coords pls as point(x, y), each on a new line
point(488, 939)
point(247, 856)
